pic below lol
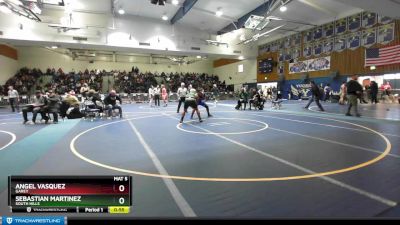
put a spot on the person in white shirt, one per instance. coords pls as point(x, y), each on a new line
point(157, 91)
point(182, 91)
point(151, 95)
point(190, 101)
point(13, 98)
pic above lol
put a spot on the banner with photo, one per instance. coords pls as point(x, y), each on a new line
point(386, 33)
point(354, 22)
point(340, 43)
point(341, 26)
point(369, 37)
point(328, 30)
point(329, 45)
point(298, 67)
point(319, 64)
point(369, 19)
point(318, 48)
point(384, 19)
point(354, 40)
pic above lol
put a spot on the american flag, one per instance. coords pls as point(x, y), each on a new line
point(382, 56)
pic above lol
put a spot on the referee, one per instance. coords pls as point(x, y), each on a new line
point(13, 98)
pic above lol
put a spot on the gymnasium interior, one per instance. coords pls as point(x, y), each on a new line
point(266, 157)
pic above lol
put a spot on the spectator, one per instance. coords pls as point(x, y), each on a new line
point(39, 101)
point(111, 103)
point(354, 90)
point(13, 98)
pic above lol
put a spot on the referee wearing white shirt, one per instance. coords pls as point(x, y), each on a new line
point(13, 98)
point(182, 92)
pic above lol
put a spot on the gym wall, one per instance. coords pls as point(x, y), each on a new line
point(231, 70)
point(8, 63)
point(346, 63)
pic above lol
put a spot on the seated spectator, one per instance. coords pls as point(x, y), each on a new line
point(111, 103)
point(39, 102)
point(53, 105)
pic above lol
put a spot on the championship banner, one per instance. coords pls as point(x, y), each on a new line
point(296, 40)
point(369, 19)
point(296, 53)
point(384, 19)
point(319, 64)
point(281, 56)
point(307, 51)
point(386, 33)
point(318, 48)
point(288, 42)
point(354, 40)
point(328, 30)
point(340, 43)
point(307, 36)
point(369, 37)
point(288, 54)
point(329, 45)
point(354, 23)
point(298, 67)
point(341, 26)
point(317, 34)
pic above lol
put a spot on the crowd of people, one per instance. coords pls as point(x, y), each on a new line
point(27, 81)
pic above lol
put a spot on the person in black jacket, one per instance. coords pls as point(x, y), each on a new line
point(374, 92)
point(316, 95)
point(354, 90)
point(111, 103)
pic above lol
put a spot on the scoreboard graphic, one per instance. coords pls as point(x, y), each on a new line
point(70, 194)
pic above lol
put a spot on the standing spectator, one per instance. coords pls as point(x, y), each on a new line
point(327, 91)
point(151, 95)
point(343, 93)
point(316, 95)
point(164, 95)
point(13, 98)
point(215, 92)
point(157, 95)
point(374, 92)
point(354, 90)
point(182, 91)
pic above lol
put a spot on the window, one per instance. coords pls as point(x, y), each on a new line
point(240, 68)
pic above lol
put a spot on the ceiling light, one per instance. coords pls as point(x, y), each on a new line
point(373, 68)
point(164, 17)
point(175, 2)
point(241, 57)
point(5, 9)
point(199, 57)
point(283, 8)
point(219, 12)
point(121, 11)
point(17, 2)
point(54, 47)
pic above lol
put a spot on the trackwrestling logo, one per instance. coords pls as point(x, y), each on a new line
point(34, 220)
